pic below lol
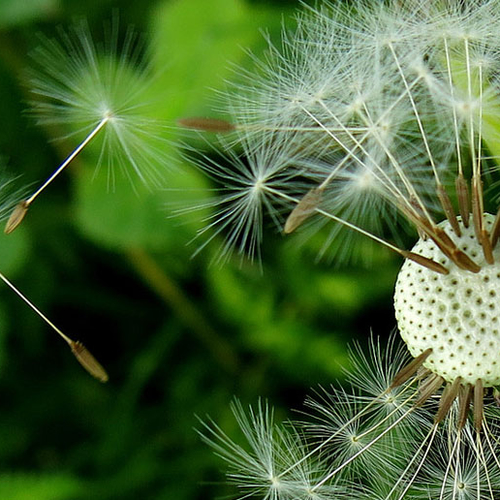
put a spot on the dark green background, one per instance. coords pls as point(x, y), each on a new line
point(179, 337)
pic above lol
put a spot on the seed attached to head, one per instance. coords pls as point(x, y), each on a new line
point(454, 314)
point(207, 124)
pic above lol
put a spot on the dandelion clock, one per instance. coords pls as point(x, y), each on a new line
point(372, 119)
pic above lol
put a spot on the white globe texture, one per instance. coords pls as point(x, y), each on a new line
point(455, 315)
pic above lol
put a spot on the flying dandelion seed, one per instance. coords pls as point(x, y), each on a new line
point(81, 353)
point(390, 113)
point(9, 199)
point(254, 184)
point(98, 95)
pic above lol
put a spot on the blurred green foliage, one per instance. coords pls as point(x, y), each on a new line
point(179, 337)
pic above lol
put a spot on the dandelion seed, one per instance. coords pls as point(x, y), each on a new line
point(81, 353)
point(304, 209)
point(97, 94)
point(87, 360)
point(251, 187)
point(379, 105)
point(276, 465)
point(207, 124)
point(16, 216)
point(10, 204)
point(376, 441)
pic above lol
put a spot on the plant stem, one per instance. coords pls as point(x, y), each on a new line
point(174, 297)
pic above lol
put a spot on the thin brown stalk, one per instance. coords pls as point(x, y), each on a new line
point(478, 404)
point(425, 261)
point(495, 230)
point(174, 297)
point(449, 395)
point(410, 369)
point(430, 385)
point(464, 401)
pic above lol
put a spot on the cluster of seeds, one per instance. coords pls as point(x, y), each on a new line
point(377, 117)
point(454, 314)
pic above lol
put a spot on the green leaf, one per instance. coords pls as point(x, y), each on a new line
point(14, 12)
point(304, 352)
point(3, 338)
point(281, 328)
point(244, 296)
point(197, 44)
point(131, 215)
point(22, 486)
point(14, 251)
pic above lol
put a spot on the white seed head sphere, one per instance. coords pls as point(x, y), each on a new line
point(456, 315)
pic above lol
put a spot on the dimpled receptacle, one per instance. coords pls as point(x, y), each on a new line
point(455, 315)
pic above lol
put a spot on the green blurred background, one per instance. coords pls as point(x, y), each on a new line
point(179, 337)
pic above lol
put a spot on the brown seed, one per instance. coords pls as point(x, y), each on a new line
point(487, 247)
point(207, 124)
point(463, 199)
point(88, 361)
point(410, 369)
point(478, 405)
point(444, 238)
point(495, 231)
point(464, 399)
point(415, 204)
point(16, 217)
point(448, 208)
point(304, 209)
point(462, 260)
point(430, 385)
point(449, 395)
point(447, 246)
point(425, 261)
point(477, 206)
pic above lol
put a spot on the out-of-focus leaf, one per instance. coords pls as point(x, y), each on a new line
point(22, 486)
point(14, 250)
point(279, 327)
point(3, 336)
point(242, 295)
point(196, 42)
point(345, 290)
point(14, 12)
point(131, 216)
point(303, 353)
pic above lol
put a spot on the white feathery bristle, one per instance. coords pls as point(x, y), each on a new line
point(77, 83)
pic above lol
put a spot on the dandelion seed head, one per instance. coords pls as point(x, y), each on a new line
point(388, 113)
point(455, 315)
